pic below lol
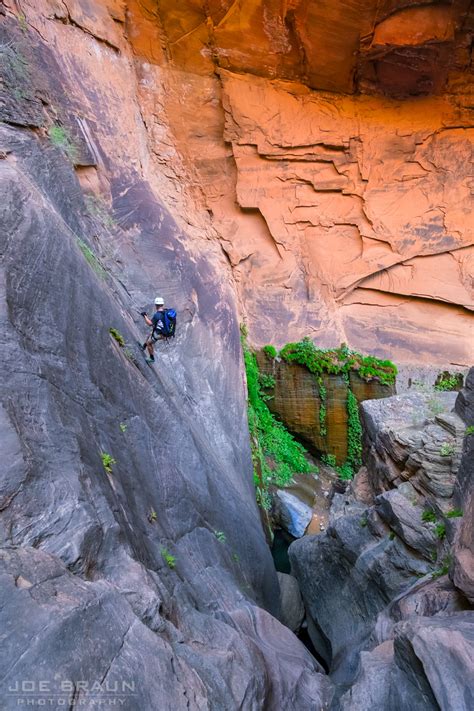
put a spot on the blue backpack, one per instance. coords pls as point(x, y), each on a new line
point(169, 323)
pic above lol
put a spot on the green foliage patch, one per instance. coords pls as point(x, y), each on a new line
point(428, 516)
point(169, 559)
point(270, 351)
point(447, 449)
point(61, 138)
point(91, 258)
point(116, 335)
point(276, 454)
point(440, 530)
point(449, 381)
point(337, 361)
point(454, 513)
point(108, 461)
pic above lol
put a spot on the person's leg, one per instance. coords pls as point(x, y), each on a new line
point(149, 347)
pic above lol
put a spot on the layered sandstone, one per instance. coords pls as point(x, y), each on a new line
point(332, 148)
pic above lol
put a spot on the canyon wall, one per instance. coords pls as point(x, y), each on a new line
point(328, 151)
point(332, 148)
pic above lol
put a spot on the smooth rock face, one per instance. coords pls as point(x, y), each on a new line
point(122, 573)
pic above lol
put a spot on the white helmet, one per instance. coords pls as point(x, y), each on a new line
point(159, 301)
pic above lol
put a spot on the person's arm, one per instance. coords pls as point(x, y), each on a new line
point(148, 320)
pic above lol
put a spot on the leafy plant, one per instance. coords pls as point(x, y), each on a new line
point(270, 351)
point(108, 461)
point(447, 449)
point(428, 516)
point(440, 530)
point(169, 559)
point(220, 535)
point(266, 381)
point(152, 517)
point(235, 557)
point(354, 433)
point(469, 430)
point(448, 381)
point(391, 535)
point(444, 569)
point(329, 459)
point(123, 427)
point(61, 138)
point(345, 471)
point(363, 521)
point(338, 361)
point(91, 258)
point(322, 408)
point(454, 513)
point(117, 336)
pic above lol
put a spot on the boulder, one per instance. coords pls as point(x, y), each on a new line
point(291, 513)
point(291, 602)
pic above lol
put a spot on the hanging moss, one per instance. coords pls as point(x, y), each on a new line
point(322, 408)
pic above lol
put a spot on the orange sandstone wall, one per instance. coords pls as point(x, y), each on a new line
point(325, 147)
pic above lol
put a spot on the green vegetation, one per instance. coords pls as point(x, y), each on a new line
point(449, 381)
point(444, 569)
point(391, 535)
point(236, 557)
point(469, 430)
point(440, 530)
point(337, 361)
point(447, 449)
point(22, 22)
point(61, 138)
point(117, 336)
point(363, 521)
point(322, 408)
point(91, 258)
point(329, 459)
point(354, 433)
point(97, 208)
point(270, 351)
point(266, 381)
point(152, 517)
point(454, 513)
point(220, 535)
point(108, 461)
point(276, 455)
point(428, 516)
point(123, 427)
point(170, 559)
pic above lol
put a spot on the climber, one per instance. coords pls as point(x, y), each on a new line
point(163, 323)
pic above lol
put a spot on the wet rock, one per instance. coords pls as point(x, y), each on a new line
point(291, 513)
point(291, 603)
